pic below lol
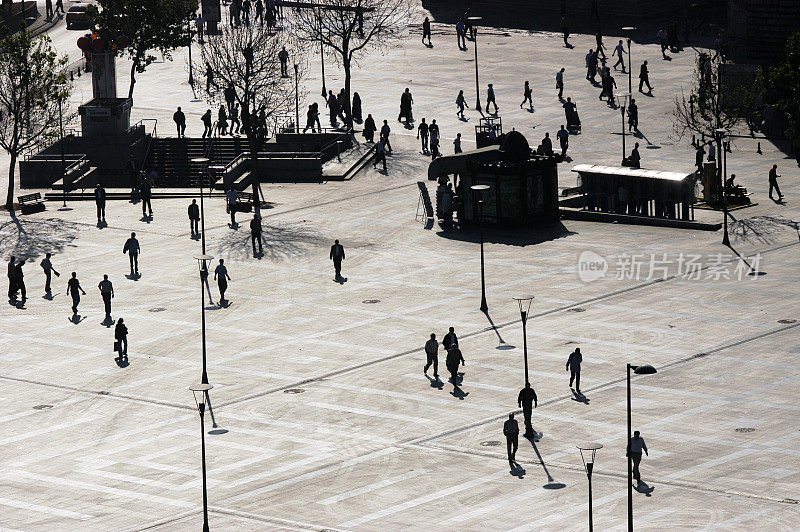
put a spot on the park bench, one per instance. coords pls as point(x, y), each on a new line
point(30, 203)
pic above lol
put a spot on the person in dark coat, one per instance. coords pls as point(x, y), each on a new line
point(180, 122)
point(121, 336)
point(527, 401)
point(132, 248)
point(337, 256)
point(100, 201)
point(12, 288)
point(432, 356)
point(574, 368)
point(426, 31)
point(450, 339)
point(454, 359)
point(333, 107)
point(255, 234)
point(511, 432)
point(194, 217)
point(369, 129)
point(107, 293)
point(19, 280)
point(356, 110)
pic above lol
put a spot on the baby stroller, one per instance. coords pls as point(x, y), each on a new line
point(573, 120)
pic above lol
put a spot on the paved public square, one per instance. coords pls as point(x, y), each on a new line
point(325, 419)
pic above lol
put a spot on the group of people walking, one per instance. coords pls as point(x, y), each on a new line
point(16, 285)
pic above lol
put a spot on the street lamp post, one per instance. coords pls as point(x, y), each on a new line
point(588, 464)
point(474, 22)
point(61, 144)
point(204, 162)
point(622, 101)
point(524, 308)
point(200, 392)
point(202, 263)
point(628, 31)
point(723, 173)
point(191, 75)
point(296, 98)
point(639, 370)
point(480, 189)
point(321, 54)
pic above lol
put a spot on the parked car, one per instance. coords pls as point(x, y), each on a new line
point(77, 16)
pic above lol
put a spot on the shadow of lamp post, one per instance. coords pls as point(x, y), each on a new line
point(474, 22)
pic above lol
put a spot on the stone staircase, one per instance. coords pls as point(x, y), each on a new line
point(171, 157)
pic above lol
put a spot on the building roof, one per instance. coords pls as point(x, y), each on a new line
point(629, 172)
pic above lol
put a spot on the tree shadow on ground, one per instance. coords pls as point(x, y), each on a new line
point(281, 241)
point(27, 239)
point(514, 237)
point(761, 229)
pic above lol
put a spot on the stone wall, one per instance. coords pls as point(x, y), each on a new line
point(757, 29)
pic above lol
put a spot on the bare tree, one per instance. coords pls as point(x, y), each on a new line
point(244, 61)
point(33, 88)
point(712, 102)
point(346, 28)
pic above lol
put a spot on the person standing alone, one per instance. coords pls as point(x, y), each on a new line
point(180, 121)
point(255, 234)
point(337, 256)
point(100, 201)
point(194, 218)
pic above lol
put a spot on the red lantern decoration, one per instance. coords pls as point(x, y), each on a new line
point(123, 42)
point(98, 44)
point(83, 43)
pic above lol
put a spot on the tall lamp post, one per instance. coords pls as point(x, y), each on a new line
point(321, 54)
point(588, 451)
point(200, 392)
point(474, 22)
point(639, 370)
point(721, 133)
point(204, 162)
point(622, 102)
point(480, 189)
point(296, 98)
point(191, 76)
point(524, 303)
point(61, 145)
point(629, 31)
point(202, 263)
